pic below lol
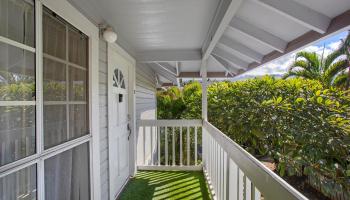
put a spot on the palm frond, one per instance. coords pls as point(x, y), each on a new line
point(302, 73)
point(331, 58)
point(335, 69)
point(299, 64)
point(341, 80)
point(314, 61)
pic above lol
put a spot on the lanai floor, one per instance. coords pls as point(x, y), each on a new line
point(166, 185)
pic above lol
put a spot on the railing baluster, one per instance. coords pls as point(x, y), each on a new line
point(166, 145)
point(222, 173)
point(195, 145)
point(248, 189)
point(181, 156)
point(212, 160)
point(226, 176)
point(144, 145)
point(217, 167)
point(233, 180)
point(240, 185)
point(218, 172)
point(158, 138)
point(188, 145)
point(152, 145)
point(214, 164)
point(256, 193)
point(173, 146)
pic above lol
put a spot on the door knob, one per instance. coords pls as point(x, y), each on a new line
point(129, 129)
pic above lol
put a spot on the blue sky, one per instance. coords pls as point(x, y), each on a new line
point(281, 65)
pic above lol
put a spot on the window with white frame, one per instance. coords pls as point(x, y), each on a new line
point(43, 141)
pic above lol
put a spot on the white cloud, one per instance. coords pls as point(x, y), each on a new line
point(334, 45)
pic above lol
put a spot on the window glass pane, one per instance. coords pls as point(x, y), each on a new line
point(55, 125)
point(65, 82)
point(78, 121)
point(54, 81)
point(17, 20)
point(19, 185)
point(67, 175)
point(77, 84)
point(54, 33)
point(17, 74)
point(78, 45)
point(17, 133)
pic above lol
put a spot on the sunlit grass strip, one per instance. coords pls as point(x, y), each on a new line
point(166, 185)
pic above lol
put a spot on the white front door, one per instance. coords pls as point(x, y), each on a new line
point(118, 133)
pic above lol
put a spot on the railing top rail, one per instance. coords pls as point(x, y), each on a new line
point(270, 184)
point(171, 123)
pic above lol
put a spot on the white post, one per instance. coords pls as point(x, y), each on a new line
point(204, 90)
point(204, 106)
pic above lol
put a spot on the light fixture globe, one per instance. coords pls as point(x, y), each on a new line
point(109, 35)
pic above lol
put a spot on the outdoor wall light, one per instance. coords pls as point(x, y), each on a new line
point(109, 35)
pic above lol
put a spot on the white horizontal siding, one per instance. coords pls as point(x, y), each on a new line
point(103, 120)
point(145, 109)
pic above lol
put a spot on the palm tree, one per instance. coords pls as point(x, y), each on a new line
point(331, 71)
point(310, 65)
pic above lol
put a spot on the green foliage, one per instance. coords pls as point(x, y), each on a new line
point(170, 104)
point(302, 124)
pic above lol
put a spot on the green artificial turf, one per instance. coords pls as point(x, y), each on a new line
point(166, 185)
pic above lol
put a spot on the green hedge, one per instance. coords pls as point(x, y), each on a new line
point(303, 126)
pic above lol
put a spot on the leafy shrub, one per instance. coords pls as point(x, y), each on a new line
point(302, 125)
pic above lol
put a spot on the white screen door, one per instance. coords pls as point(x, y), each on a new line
point(118, 122)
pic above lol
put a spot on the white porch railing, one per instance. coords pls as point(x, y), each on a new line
point(235, 174)
point(231, 172)
point(168, 144)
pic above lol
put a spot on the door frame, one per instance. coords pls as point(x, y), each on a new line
point(130, 62)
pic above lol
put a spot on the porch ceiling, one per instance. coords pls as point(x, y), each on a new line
point(173, 37)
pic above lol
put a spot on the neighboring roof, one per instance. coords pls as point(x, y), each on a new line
point(174, 37)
